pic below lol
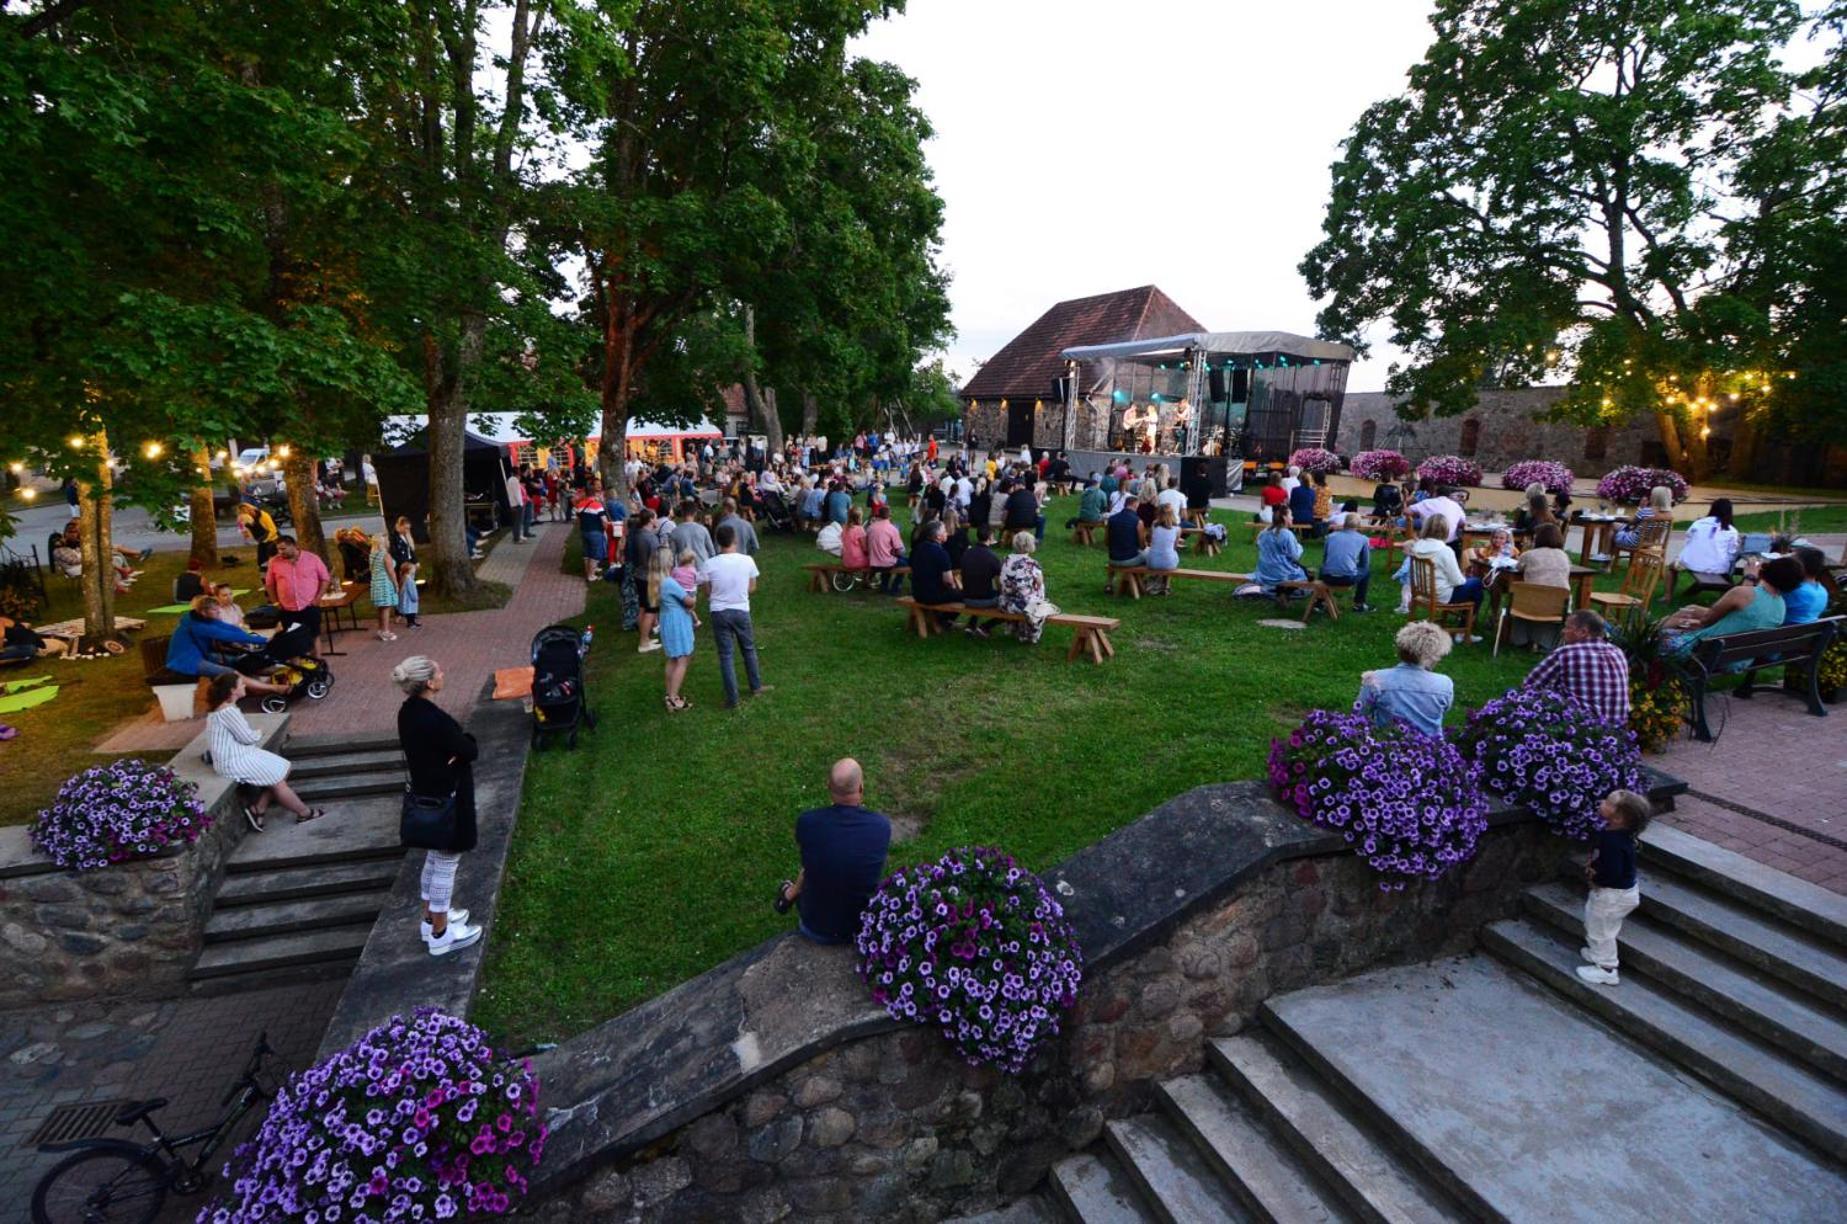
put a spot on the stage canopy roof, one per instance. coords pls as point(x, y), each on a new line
point(1232, 343)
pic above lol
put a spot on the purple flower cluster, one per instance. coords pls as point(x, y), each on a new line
point(416, 1120)
point(1409, 804)
point(1450, 470)
point(1313, 459)
point(1545, 750)
point(128, 809)
point(1632, 484)
point(976, 945)
point(1380, 465)
point(1556, 477)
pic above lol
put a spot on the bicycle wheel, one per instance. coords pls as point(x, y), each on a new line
point(101, 1186)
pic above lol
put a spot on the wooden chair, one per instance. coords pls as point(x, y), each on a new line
point(1534, 603)
point(1424, 600)
point(1638, 586)
point(1650, 536)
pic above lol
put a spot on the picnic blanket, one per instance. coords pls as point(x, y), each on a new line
point(72, 630)
point(14, 686)
point(512, 683)
point(176, 609)
point(12, 703)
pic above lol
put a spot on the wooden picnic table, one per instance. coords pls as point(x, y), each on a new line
point(1599, 536)
point(348, 598)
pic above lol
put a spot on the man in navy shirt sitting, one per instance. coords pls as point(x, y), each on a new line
point(934, 578)
point(1125, 537)
point(843, 859)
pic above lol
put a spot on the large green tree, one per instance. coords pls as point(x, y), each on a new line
point(1557, 193)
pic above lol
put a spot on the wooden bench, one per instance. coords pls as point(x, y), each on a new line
point(1091, 635)
point(1128, 578)
point(1203, 543)
point(820, 572)
point(1085, 533)
point(1790, 646)
point(1258, 529)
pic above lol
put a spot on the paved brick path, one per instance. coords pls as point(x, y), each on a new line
point(187, 1050)
point(1773, 786)
point(469, 645)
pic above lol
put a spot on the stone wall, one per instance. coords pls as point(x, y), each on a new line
point(772, 1088)
point(1507, 431)
point(131, 929)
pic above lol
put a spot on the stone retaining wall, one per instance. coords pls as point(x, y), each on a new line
point(127, 930)
point(772, 1088)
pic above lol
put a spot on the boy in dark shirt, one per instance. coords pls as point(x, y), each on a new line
point(1614, 893)
point(843, 859)
point(980, 574)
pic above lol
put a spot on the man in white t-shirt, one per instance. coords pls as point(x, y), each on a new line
point(1172, 497)
point(729, 578)
point(1442, 506)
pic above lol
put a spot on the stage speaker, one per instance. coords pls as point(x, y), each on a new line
point(1216, 381)
point(1202, 477)
point(1061, 390)
point(1240, 386)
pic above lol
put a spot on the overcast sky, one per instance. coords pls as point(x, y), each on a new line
point(1084, 146)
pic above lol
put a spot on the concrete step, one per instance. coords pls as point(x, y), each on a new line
point(1796, 1023)
point(1757, 938)
point(1324, 1132)
point(1809, 907)
point(256, 957)
point(348, 765)
point(366, 829)
point(324, 792)
point(1273, 1183)
point(1171, 1174)
point(1511, 1097)
point(294, 883)
point(270, 979)
point(287, 917)
point(1032, 1209)
point(1090, 1188)
point(299, 747)
point(1751, 1072)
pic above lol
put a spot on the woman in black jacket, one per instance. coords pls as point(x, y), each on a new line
point(439, 757)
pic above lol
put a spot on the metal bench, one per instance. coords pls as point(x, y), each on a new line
point(1790, 646)
point(1091, 636)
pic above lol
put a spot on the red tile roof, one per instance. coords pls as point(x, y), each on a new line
point(1029, 362)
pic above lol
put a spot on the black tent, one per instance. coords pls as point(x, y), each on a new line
point(404, 481)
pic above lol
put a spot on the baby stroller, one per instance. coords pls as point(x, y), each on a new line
point(288, 659)
point(558, 703)
point(776, 512)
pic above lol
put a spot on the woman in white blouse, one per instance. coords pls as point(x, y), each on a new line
point(235, 754)
point(1711, 547)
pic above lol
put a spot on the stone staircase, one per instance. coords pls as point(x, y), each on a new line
point(298, 901)
point(1712, 1084)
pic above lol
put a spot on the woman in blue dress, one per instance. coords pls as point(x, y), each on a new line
point(1278, 554)
point(677, 624)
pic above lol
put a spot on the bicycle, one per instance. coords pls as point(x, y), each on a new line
point(115, 1181)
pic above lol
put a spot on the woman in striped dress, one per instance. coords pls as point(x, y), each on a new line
point(235, 755)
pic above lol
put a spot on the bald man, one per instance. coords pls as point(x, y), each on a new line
point(843, 850)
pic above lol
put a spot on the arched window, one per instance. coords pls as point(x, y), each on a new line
point(1369, 432)
point(1471, 437)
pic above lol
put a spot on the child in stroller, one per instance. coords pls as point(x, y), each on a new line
point(775, 511)
point(558, 701)
point(289, 661)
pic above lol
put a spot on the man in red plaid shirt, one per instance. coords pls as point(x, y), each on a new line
point(1587, 667)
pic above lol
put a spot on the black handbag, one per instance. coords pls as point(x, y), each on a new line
point(427, 823)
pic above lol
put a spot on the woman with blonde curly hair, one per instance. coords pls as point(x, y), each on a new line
point(1411, 692)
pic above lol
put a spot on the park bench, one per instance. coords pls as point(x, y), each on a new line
point(1084, 532)
point(843, 578)
point(1258, 529)
point(1797, 647)
point(1128, 578)
point(1090, 637)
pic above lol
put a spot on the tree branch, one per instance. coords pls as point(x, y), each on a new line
point(51, 15)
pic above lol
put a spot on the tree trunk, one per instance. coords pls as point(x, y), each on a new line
point(305, 503)
point(1744, 448)
point(1680, 447)
point(811, 414)
point(759, 413)
point(451, 572)
point(94, 521)
point(204, 516)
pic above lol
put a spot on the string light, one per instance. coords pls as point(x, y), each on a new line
point(16, 467)
point(152, 450)
point(282, 451)
point(76, 441)
point(28, 494)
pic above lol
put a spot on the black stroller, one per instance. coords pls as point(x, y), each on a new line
point(558, 703)
point(289, 659)
point(775, 511)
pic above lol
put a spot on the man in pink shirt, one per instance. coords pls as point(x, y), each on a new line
point(295, 580)
point(885, 549)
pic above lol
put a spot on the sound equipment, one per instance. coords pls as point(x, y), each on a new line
point(1216, 381)
point(1240, 386)
point(1202, 477)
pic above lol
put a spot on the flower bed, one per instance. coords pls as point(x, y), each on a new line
point(415, 1120)
point(1450, 470)
point(976, 945)
point(1547, 751)
point(1312, 459)
point(111, 813)
point(1380, 465)
point(1410, 805)
point(1556, 477)
point(1632, 484)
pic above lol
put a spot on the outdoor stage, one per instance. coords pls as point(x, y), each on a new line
point(1084, 462)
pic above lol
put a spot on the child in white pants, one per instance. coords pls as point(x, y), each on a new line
point(1614, 892)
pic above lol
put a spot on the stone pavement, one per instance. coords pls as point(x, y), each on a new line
point(1772, 786)
point(469, 645)
point(187, 1050)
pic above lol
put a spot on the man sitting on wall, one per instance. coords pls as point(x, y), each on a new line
point(843, 850)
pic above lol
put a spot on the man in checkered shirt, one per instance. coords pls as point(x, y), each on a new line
point(1587, 667)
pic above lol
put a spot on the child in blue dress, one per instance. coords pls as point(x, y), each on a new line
point(677, 624)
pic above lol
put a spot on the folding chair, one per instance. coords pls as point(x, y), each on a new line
point(1638, 587)
point(1650, 536)
point(1533, 603)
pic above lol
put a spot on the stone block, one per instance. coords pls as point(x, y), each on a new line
point(1100, 1078)
point(879, 1197)
point(610, 1192)
point(1113, 1008)
point(883, 1128)
point(712, 1138)
point(62, 917)
point(775, 1141)
point(952, 1168)
point(868, 1164)
point(817, 1196)
point(760, 1107)
point(1282, 932)
point(1081, 1127)
point(106, 883)
point(859, 1062)
point(919, 1152)
point(1158, 998)
point(131, 932)
point(1241, 950)
point(1185, 1027)
point(50, 888)
point(817, 1090)
point(81, 945)
point(1200, 961)
point(959, 1110)
point(926, 1082)
point(764, 1205)
point(831, 1127)
point(1305, 872)
point(659, 1180)
point(18, 938)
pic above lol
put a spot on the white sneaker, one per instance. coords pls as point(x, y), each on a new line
point(455, 936)
point(645, 647)
point(456, 915)
point(1596, 975)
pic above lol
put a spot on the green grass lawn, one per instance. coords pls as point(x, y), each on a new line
point(1810, 520)
point(651, 852)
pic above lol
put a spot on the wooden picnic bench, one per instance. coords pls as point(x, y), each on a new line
point(1128, 578)
point(1084, 531)
point(1789, 646)
point(1091, 634)
point(820, 572)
